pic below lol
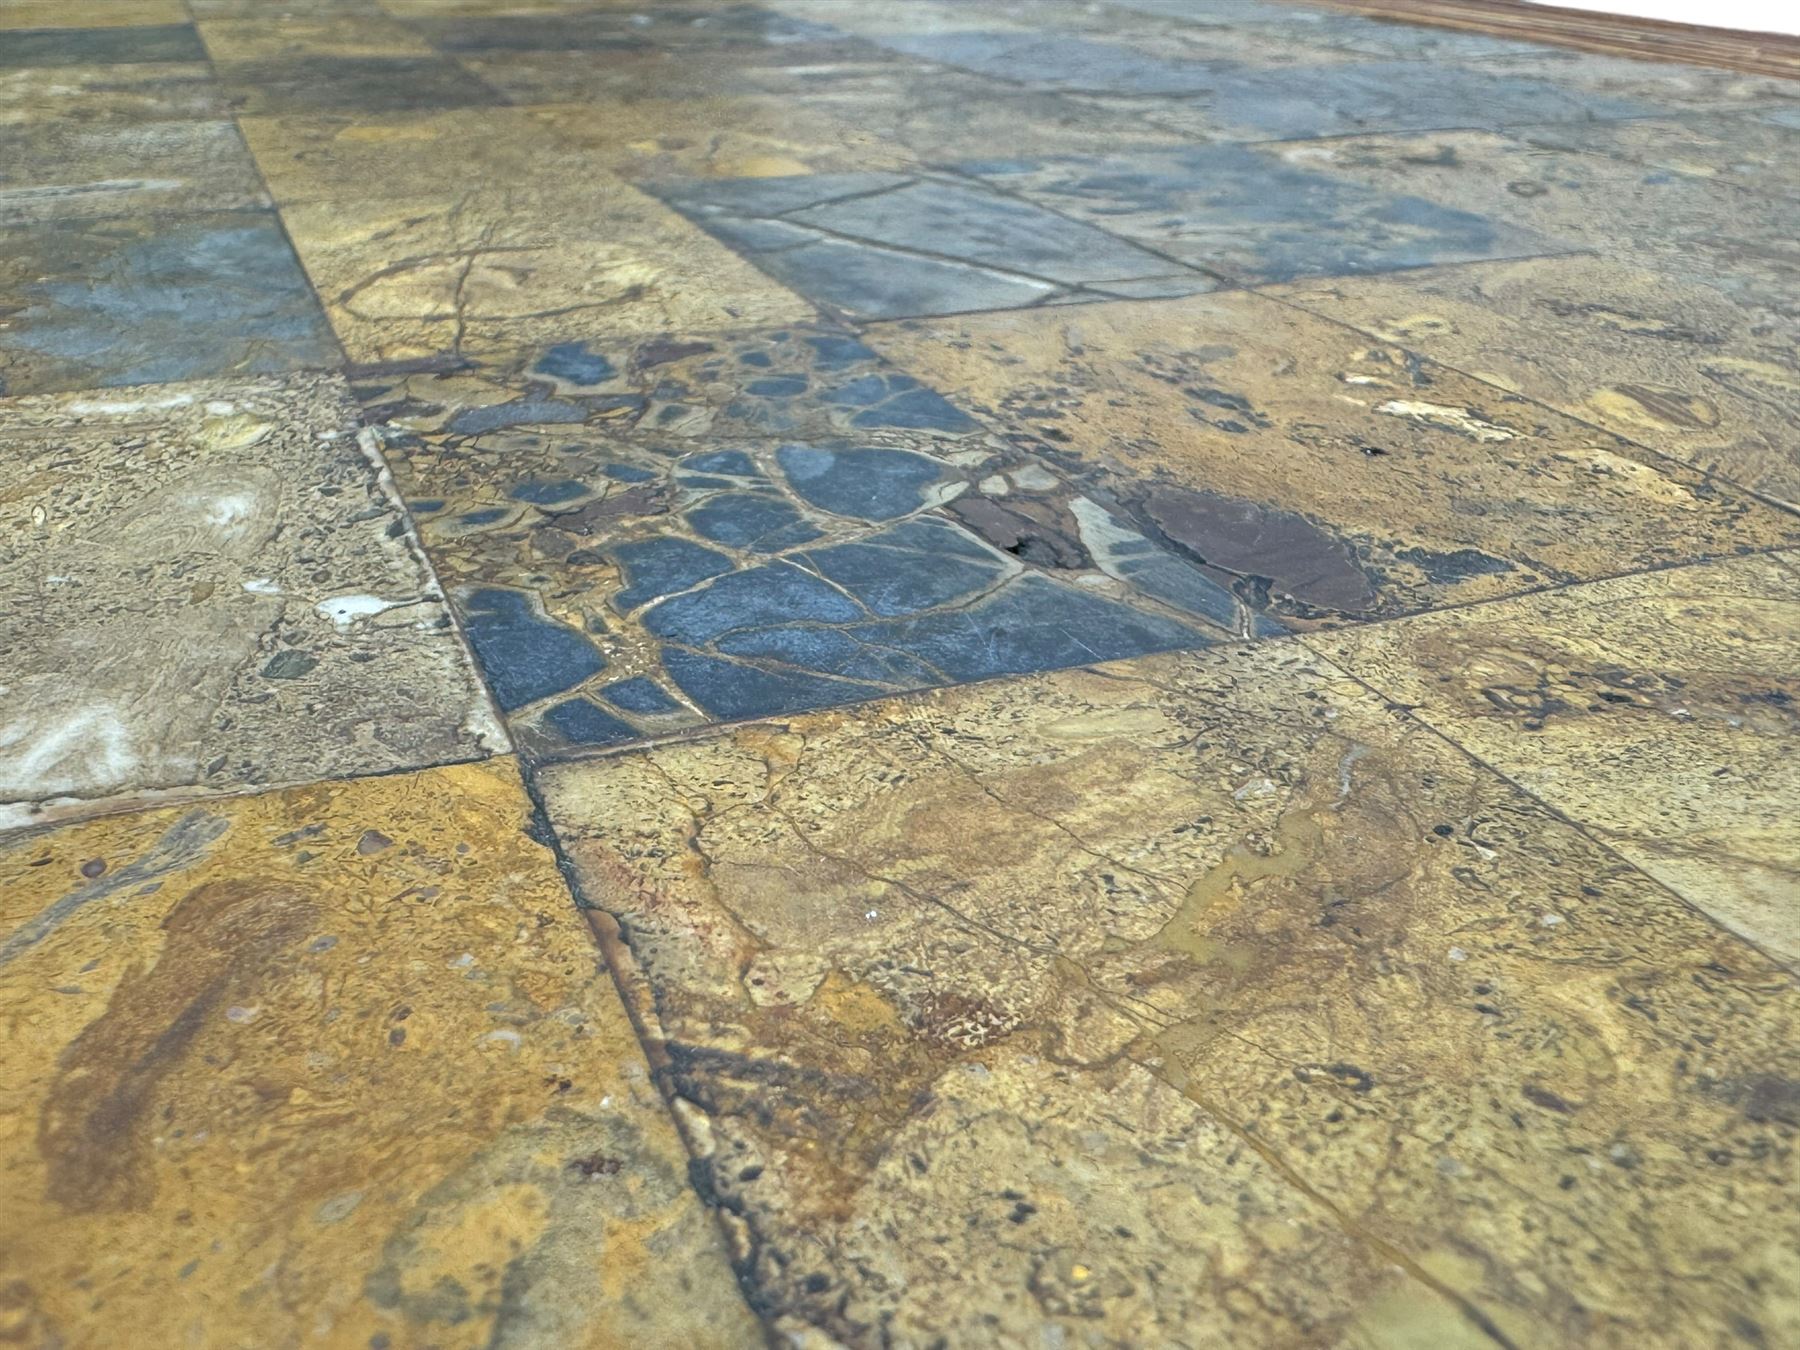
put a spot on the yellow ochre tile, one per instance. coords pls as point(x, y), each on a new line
point(338, 1064)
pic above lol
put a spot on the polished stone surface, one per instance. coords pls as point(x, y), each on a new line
point(1253, 215)
point(1669, 364)
point(147, 298)
point(493, 267)
point(211, 587)
point(970, 672)
point(881, 246)
point(338, 1063)
point(646, 537)
point(1658, 710)
point(1331, 475)
point(1193, 1000)
point(55, 169)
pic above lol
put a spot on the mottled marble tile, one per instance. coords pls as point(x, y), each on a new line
point(1192, 1000)
point(17, 14)
point(101, 46)
point(618, 582)
point(1657, 711)
point(128, 94)
point(314, 83)
point(73, 169)
point(1334, 30)
point(885, 245)
point(1755, 150)
point(1333, 475)
point(1252, 215)
point(338, 1063)
point(696, 390)
point(146, 299)
point(210, 587)
point(1666, 86)
point(493, 268)
point(1667, 363)
point(289, 37)
point(1586, 200)
point(787, 71)
point(898, 115)
point(1278, 95)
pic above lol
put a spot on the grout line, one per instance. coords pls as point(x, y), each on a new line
point(1775, 503)
point(1411, 712)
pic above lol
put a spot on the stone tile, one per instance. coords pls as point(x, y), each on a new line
point(289, 38)
point(71, 169)
point(1334, 31)
point(885, 245)
point(211, 587)
point(354, 160)
point(1758, 151)
point(154, 298)
point(1252, 215)
point(1585, 200)
point(205, 10)
point(776, 70)
point(18, 14)
point(1669, 364)
point(898, 115)
point(669, 28)
point(326, 83)
point(101, 46)
point(1234, 1008)
point(129, 94)
point(338, 1062)
point(1657, 711)
point(493, 268)
point(619, 578)
point(1666, 86)
point(1332, 475)
point(1282, 94)
point(695, 390)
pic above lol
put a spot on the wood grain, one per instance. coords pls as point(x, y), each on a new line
point(1617, 35)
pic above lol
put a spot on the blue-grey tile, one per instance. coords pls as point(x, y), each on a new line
point(1251, 215)
point(100, 46)
point(887, 246)
point(792, 575)
point(150, 299)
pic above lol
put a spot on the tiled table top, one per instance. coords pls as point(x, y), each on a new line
point(979, 673)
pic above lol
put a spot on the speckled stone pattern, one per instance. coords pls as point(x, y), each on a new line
point(1006, 673)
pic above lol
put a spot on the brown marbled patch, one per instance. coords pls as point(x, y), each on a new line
point(1339, 475)
point(1659, 711)
point(338, 1059)
point(1191, 999)
point(1667, 363)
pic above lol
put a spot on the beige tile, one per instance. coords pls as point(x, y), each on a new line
point(1657, 711)
point(336, 1064)
point(406, 278)
point(1346, 477)
point(211, 587)
point(1670, 364)
point(1195, 1000)
point(17, 14)
point(291, 37)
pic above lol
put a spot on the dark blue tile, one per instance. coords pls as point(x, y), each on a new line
point(100, 46)
point(663, 566)
point(733, 689)
point(871, 483)
point(525, 655)
point(748, 520)
point(582, 723)
point(639, 695)
point(757, 598)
